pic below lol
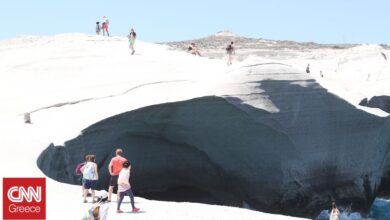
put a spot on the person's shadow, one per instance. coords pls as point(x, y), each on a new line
point(139, 212)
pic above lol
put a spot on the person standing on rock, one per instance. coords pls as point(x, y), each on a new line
point(80, 173)
point(124, 187)
point(114, 168)
point(334, 213)
point(132, 36)
point(98, 28)
point(90, 177)
point(308, 68)
point(105, 23)
point(230, 50)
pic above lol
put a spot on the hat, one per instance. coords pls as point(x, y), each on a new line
point(102, 197)
point(126, 164)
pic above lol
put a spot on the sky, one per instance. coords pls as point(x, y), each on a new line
point(322, 21)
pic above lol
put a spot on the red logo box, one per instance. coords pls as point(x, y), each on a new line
point(24, 198)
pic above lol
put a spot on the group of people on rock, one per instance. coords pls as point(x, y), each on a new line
point(308, 70)
point(192, 48)
point(119, 169)
point(104, 28)
point(230, 50)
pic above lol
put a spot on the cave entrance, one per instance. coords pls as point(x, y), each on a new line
point(183, 194)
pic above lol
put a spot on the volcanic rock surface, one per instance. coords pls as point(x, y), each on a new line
point(382, 102)
point(273, 138)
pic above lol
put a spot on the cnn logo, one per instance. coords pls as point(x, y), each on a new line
point(24, 198)
point(23, 194)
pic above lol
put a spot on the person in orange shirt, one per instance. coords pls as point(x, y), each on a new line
point(115, 167)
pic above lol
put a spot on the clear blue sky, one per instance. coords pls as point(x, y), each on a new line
point(324, 21)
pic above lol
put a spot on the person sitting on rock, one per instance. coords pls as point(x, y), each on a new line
point(193, 49)
point(99, 210)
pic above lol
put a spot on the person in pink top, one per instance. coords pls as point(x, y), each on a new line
point(105, 23)
point(124, 187)
point(115, 167)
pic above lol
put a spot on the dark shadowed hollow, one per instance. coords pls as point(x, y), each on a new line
point(222, 151)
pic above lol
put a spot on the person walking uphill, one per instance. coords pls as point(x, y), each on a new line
point(90, 177)
point(124, 187)
point(132, 36)
point(105, 23)
point(114, 168)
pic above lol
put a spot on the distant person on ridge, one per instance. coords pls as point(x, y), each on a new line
point(114, 168)
point(90, 177)
point(334, 213)
point(132, 36)
point(105, 23)
point(193, 49)
point(308, 68)
point(27, 118)
point(98, 28)
point(230, 50)
point(124, 187)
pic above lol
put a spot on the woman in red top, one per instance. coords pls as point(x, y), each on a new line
point(105, 23)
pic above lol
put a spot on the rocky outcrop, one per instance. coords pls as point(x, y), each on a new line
point(284, 146)
point(214, 46)
point(381, 102)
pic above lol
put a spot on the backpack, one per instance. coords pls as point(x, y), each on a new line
point(78, 169)
point(229, 48)
point(94, 212)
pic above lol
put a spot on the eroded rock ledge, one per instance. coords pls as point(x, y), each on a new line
point(381, 102)
point(317, 147)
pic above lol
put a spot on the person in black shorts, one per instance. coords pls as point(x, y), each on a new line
point(115, 166)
